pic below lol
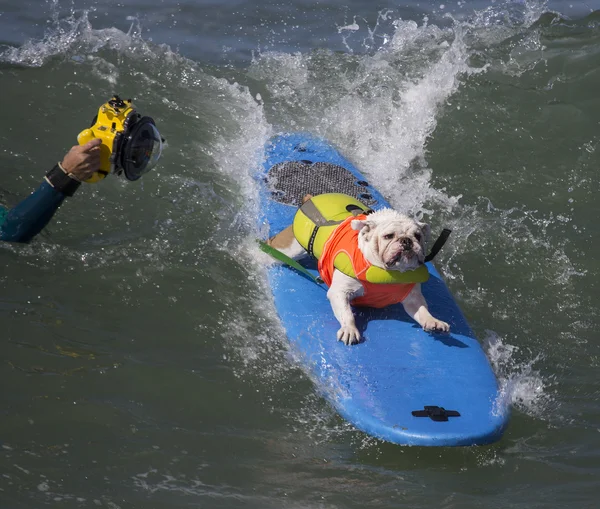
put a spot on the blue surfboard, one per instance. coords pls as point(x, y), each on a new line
point(400, 384)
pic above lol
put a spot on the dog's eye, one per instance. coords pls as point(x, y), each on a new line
point(418, 237)
point(388, 236)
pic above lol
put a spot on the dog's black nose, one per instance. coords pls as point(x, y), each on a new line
point(406, 243)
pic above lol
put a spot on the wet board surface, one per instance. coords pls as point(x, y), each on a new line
point(398, 368)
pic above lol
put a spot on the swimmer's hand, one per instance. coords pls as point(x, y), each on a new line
point(82, 161)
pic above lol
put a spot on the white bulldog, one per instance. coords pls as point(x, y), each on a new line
point(391, 241)
point(388, 240)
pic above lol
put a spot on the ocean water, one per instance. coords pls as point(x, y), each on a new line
point(143, 364)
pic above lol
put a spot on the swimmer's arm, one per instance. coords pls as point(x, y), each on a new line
point(28, 218)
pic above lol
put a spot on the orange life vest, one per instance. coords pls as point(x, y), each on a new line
point(344, 242)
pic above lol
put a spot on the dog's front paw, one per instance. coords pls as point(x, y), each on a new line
point(433, 324)
point(349, 335)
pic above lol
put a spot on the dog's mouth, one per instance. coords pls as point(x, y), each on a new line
point(401, 256)
point(407, 258)
point(393, 261)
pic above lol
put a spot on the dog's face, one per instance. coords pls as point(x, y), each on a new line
point(391, 240)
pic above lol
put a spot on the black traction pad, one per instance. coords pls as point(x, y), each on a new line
point(289, 182)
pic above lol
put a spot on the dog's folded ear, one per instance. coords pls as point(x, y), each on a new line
point(362, 225)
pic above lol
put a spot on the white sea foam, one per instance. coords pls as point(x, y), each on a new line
point(379, 109)
point(521, 385)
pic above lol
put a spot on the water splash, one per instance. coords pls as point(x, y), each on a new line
point(74, 38)
point(521, 385)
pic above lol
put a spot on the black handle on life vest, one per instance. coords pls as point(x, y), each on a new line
point(441, 240)
point(355, 210)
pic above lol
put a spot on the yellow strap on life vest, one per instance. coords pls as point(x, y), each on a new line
point(316, 219)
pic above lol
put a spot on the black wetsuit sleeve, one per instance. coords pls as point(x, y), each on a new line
point(28, 218)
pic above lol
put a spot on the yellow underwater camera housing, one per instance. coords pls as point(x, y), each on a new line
point(131, 143)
